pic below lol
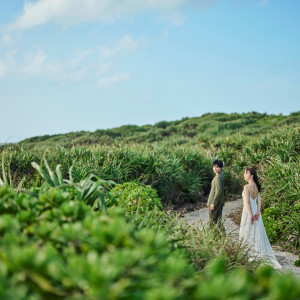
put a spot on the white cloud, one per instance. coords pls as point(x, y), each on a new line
point(40, 12)
point(73, 61)
point(174, 18)
point(98, 62)
point(37, 64)
point(102, 68)
point(7, 64)
point(6, 38)
point(111, 80)
point(126, 43)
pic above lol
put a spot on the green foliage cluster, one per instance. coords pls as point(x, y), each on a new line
point(56, 245)
point(239, 284)
point(135, 197)
point(177, 173)
point(57, 248)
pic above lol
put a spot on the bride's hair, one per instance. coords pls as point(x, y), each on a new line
point(255, 178)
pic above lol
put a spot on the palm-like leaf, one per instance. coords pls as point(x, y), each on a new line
point(54, 180)
point(91, 190)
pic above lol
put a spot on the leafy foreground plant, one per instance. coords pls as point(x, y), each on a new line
point(135, 197)
point(265, 283)
point(55, 245)
point(87, 190)
point(49, 253)
point(54, 248)
point(178, 175)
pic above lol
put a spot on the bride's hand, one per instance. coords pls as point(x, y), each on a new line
point(256, 216)
point(252, 219)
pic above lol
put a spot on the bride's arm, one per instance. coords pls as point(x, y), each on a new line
point(258, 207)
point(248, 202)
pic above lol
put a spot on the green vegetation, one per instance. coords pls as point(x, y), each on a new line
point(178, 174)
point(135, 197)
point(202, 129)
point(94, 228)
point(57, 245)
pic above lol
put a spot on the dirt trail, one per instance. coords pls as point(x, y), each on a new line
point(200, 216)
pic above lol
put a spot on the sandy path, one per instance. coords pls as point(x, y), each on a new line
point(200, 216)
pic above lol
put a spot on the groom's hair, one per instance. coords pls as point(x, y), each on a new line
point(218, 162)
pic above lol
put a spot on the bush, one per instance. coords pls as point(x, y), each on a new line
point(53, 247)
point(239, 284)
point(135, 197)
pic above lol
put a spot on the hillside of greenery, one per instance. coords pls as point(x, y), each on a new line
point(94, 206)
point(202, 129)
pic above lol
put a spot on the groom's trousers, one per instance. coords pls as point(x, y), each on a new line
point(215, 217)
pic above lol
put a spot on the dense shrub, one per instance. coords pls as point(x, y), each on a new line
point(135, 197)
point(56, 247)
point(177, 174)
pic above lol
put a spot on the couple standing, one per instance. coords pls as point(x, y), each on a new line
point(252, 233)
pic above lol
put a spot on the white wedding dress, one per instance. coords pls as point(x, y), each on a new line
point(254, 236)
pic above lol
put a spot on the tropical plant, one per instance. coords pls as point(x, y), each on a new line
point(135, 197)
point(90, 191)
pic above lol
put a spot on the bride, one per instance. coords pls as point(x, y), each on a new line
point(252, 231)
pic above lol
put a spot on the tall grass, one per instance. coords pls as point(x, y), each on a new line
point(178, 174)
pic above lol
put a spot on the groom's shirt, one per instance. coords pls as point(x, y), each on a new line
point(216, 195)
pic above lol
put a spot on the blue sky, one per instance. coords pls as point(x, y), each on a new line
point(71, 65)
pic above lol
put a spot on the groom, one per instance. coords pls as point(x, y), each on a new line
point(216, 196)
